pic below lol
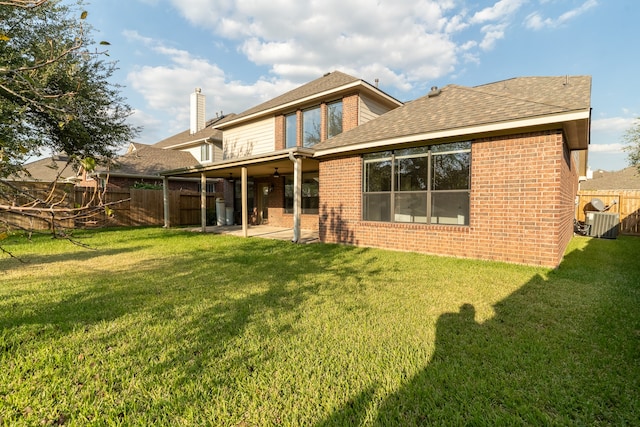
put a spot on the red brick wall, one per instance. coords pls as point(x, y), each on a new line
point(350, 112)
point(323, 121)
point(280, 142)
point(522, 199)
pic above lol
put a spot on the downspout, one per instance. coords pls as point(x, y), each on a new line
point(297, 195)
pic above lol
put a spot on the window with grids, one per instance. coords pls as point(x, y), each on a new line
point(429, 184)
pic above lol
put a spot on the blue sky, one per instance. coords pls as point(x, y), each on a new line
point(244, 52)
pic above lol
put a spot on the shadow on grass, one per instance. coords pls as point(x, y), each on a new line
point(240, 279)
point(561, 350)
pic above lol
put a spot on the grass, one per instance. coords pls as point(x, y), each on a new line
point(159, 327)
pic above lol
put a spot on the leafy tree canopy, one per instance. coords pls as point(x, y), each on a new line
point(632, 139)
point(55, 93)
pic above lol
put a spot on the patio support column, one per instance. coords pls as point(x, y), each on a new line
point(165, 200)
point(245, 207)
point(203, 202)
point(297, 198)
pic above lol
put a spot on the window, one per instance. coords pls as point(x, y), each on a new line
point(311, 127)
point(205, 153)
point(334, 119)
point(310, 193)
point(428, 184)
point(291, 130)
point(210, 187)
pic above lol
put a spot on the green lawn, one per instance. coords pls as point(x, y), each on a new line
point(158, 327)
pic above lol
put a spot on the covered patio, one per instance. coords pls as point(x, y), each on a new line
point(293, 161)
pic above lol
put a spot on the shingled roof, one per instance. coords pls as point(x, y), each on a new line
point(209, 133)
point(625, 179)
point(146, 160)
point(456, 107)
point(50, 169)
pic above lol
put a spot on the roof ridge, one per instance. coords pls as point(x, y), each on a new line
point(512, 97)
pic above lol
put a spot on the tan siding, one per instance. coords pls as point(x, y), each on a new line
point(195, 152)
point(250, 139)
point(370, 109)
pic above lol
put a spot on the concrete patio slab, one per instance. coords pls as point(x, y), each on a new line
point(263, 231)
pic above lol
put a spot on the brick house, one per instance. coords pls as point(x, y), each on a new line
point(488, 172)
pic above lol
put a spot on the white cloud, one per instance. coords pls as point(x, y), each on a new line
point(497, 12)
point(612, 124)
point(535, 21)
point(410, 41)
point(492, 33)
point(167, 87)
point(606, 148)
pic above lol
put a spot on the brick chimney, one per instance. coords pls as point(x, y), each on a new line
point(198, 120)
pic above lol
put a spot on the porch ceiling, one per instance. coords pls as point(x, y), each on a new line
point(257, 166)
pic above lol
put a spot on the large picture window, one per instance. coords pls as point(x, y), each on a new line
point(428, 184)
point(291, 130)
point(311, 126)
point(334, 119)
point(310, 193)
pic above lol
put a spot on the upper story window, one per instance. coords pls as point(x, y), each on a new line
point(429, 184)
point(311, 126)
point(334, 118)
point(205, 153)
point(291, 130)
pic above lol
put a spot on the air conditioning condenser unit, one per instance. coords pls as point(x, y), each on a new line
point(603, 224)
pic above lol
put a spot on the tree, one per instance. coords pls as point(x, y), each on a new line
point(632, 139)
point(55, 96)
point(54, 89)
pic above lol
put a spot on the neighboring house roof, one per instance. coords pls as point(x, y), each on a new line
point(457, 110)
point(625, 179)
point(50, 169)
point(147, 161)
point(335, 82)
point(184, 138)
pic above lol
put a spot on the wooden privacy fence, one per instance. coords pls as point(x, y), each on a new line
point(627, 204)
point(136, 207)
point(146, 207)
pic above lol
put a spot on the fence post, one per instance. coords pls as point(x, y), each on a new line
point(165, 201)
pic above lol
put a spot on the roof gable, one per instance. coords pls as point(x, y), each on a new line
point(330, 82)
